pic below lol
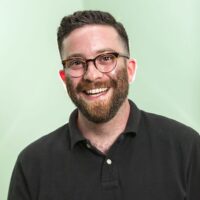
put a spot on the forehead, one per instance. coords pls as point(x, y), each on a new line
point(91, 39)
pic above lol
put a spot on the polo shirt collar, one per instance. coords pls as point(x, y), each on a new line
point(131, 126)
point(133, 120)
point(74, 132)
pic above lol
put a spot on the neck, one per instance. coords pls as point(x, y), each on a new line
point(103, 135)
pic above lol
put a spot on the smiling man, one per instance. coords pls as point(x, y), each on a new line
point(110, 149)
point(97, 70)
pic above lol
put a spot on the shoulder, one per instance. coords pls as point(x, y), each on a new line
point(171, 142)
point(170, 138)
point(46, 145)
point(167, 128)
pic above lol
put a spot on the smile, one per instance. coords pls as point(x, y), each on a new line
point(96, 91)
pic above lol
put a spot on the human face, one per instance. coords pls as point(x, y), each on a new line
point(97, 95)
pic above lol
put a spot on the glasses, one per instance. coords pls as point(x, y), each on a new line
point(105, 63)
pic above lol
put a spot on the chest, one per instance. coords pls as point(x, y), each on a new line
point(128, 170)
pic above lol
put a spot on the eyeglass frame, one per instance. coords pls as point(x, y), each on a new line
point(93, 60)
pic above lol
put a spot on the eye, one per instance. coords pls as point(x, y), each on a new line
point(75, 63)
point(106, 58)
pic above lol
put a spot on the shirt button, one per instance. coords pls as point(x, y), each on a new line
point(109, 162)
point(88, 146)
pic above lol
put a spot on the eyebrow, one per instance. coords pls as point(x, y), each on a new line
point(105, 50)
point(75, 55)
point(80, 55)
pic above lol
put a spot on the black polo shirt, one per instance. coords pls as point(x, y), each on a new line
point(155, 158)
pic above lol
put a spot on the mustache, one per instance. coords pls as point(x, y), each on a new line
point(86, 85)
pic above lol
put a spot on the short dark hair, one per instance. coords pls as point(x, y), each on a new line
point(89, 17)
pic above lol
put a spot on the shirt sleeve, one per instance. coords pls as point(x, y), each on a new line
point(194, 171)
point(18, 189)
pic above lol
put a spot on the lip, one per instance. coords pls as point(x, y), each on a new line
point(96, 91)
point(95, 94)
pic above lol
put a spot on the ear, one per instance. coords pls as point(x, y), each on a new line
point(62, 75)
point(131, 69)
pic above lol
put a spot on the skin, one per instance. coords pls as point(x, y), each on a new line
point(89, 41)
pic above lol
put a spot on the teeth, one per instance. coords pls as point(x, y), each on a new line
point(96, 91)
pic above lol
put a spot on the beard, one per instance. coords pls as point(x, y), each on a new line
point(101, 111)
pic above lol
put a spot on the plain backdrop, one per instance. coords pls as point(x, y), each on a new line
point(164, 38)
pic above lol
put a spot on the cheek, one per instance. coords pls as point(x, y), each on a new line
point(113, 73)
point(117, 72)
point(72, 82)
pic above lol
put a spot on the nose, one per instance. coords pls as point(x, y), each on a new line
point(92, 73)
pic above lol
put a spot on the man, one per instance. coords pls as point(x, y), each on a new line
point(109, 149)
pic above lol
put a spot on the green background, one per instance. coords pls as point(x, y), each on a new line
point(164, 38)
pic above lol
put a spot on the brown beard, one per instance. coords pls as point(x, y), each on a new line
point(101, 111)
